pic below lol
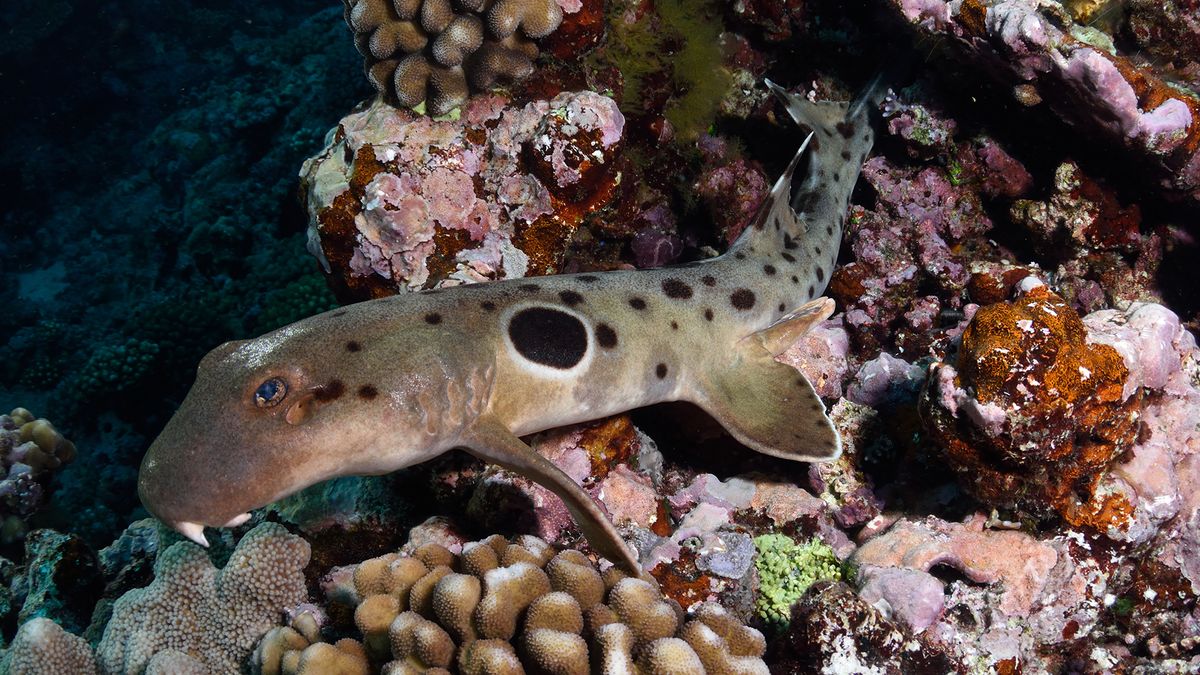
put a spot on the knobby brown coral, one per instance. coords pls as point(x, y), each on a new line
point(503, 607)
point(439, 50)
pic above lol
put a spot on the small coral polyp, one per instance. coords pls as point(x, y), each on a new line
point(398, 200)
point(1032, 415)
point(438, 51)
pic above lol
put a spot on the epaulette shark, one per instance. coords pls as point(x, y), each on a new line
point(380, 385)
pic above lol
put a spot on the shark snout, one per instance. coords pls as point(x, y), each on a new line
point(182, 501)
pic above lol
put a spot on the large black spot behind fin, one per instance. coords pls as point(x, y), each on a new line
point(548, 337)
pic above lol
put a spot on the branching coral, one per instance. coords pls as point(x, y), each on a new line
point(435, 51)
point(214, 616)
point(503, 607)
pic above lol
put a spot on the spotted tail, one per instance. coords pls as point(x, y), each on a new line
point(807, 206)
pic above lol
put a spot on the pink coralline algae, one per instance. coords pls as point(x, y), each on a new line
point(902, 244)
point(398, 200)
point(1015, 560)
point(1107, 96)
point(821, 354)
point(731, 187)
point(916, 242)
point(1160, 478)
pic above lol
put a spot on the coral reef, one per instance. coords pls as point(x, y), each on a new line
point(43, 647)
point(1018, 562)
point(436, 52)
point(786, 570)
point(1103, 258)
point(832, 626)
point(1031, 414)
point(1019, 489)
point(31, 450)
point(401, 201)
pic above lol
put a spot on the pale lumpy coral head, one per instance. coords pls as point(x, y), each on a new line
point(324, 397)
point(436, 51)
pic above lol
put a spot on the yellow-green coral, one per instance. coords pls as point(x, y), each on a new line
point(785, 570)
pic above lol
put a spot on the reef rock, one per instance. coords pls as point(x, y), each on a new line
point(401, 201)
point(1031, 415)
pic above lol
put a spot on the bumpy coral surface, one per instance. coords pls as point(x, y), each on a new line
point(1103, 258)
point(834, 630)
point(31, 450)
point(436, 51)
point(1031, 414)
point(398, 200)
point(786, 570)
point(501, 607)
point(212, 616)
point(42, 647)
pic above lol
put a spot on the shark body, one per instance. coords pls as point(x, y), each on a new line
point(384, 384)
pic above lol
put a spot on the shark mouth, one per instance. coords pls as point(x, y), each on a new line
point(195, 531)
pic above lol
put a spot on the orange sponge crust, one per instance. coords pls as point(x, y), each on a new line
point(1031, 416)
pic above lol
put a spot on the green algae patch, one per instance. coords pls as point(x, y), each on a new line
point(680, 37)
point(699, 67)
point(785, 571)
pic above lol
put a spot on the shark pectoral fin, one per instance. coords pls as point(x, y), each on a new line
point(782, 334)
point(492, 442)
point(769, 407)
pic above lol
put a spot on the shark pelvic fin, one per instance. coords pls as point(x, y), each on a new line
point(769, 406)
point(491, 441)
point(782, 334)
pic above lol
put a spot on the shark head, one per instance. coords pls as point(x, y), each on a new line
point(273, 415)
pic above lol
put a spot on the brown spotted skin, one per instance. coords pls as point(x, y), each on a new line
point(380, 385)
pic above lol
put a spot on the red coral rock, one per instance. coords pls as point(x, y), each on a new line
point(580, 31)
point(1031, 415)
point(831, 624)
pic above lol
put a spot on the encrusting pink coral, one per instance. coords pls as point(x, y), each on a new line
point(1016, 560)
point(400, 201)
point(1108, 96)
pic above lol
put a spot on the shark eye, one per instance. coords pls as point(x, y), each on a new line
point(270, 393)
